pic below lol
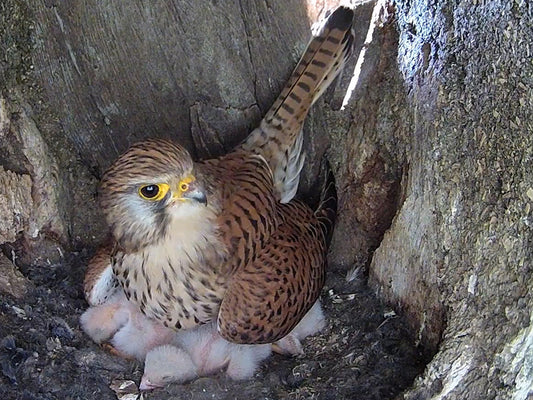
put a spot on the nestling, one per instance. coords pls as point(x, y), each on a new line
point(313, 322)
point(114, 320)
point(174, 356)
point(202, 351)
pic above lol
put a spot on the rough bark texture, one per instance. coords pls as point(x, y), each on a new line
point(461, 241)
point(450, 120)
point(432, 158)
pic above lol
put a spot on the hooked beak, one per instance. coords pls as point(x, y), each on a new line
point(147, 385)
point(197, 195)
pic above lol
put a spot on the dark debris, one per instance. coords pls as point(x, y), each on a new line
point(364, 353)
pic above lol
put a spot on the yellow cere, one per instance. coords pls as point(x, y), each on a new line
point(183, 185)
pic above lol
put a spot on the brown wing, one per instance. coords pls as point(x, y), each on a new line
point(99, 282)
point(248, 214)
point(268, 297)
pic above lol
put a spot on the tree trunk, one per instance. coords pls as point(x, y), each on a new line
point(432, 155)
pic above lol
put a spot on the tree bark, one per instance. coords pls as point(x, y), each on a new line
point(452, 120)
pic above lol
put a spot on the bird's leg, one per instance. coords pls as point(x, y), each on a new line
point(289, 345)
point(106, 346)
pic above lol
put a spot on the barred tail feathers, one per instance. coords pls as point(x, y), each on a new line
point(279, 136)
point(322, 60)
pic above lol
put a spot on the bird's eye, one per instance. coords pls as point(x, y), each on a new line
point(150, 191)
point(153, 192)
point(184, 186)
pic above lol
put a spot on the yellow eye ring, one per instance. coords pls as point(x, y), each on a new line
point(153, 192)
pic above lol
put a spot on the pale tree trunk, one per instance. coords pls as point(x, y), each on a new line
point(433, 154)
point(453, 120)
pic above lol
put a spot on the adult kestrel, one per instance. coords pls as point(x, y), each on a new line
point(118, 324)
point(223, 238)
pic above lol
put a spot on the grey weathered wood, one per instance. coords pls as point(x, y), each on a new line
point(117, 72)
point(448, 116)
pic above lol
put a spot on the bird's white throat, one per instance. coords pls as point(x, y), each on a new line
point(191, 228)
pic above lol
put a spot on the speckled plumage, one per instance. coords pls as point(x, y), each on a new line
point(224, 239)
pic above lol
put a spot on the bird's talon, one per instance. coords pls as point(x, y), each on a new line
point(112, 350)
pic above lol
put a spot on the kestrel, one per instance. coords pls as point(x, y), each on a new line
point(223, 239)
point(169, 355)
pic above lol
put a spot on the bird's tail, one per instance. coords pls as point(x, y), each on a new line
point(326, 212)
point(279, 137)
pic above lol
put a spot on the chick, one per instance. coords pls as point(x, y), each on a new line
point(166, 364)
point(171, 356)
point(118, 321)
point(313, 322)
point(202, 351)
point(103, 321)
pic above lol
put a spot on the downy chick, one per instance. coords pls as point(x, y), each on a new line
point(202, 351)
point(118, 321)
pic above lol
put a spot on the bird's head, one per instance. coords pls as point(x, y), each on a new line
point(150, 184)
point(166, 364)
